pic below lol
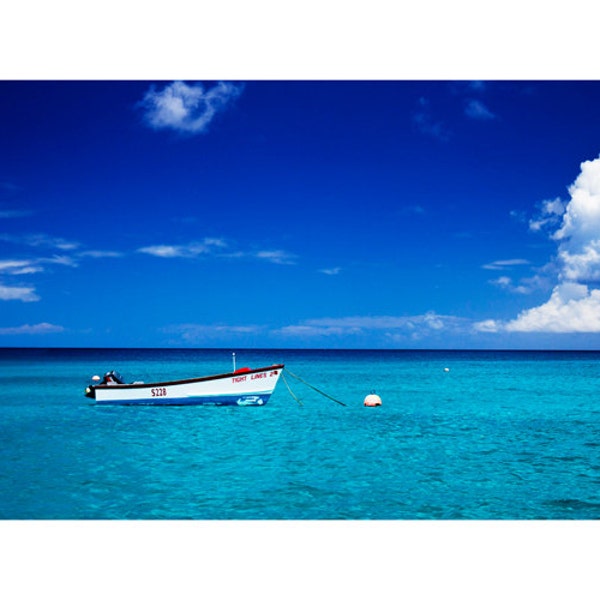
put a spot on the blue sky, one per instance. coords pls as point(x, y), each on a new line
point(302, 214)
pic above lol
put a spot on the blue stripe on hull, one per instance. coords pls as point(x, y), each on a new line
point(253, 400)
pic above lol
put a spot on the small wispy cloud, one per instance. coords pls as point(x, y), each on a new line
point(40, 240)
point(20, 293)
point(550, 215)
point(278, 257)
point(217, 248)
point(70, 253)
point(19, 267)
point(477, 86)
point(190, 250)
point(526, 285)
point(187, 108)
point(468, 88)
point(52, 251)
point(166, 251)
point(518, 215)
point(64, 260)
point(414, 327)
point(37, 329)
point(99, 254)
point(332, 271)
point(475, 109)
point(501, 265)
point(427, 124)
point(197, 332)
point(387, 329)
point(31, 266)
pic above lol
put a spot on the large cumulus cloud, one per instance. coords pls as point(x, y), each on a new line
point(574, 305)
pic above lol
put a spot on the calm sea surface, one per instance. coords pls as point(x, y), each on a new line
point(460, 435)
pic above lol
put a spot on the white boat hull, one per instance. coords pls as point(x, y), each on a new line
point(251, 387)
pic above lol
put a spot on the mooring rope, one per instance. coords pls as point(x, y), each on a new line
point(314, 388)
point(287, 385)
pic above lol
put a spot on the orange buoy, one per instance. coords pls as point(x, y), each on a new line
point(372, 400)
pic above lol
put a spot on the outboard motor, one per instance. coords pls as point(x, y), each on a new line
point(112, 378)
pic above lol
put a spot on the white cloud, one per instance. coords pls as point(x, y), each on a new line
point(572, 308)
point(426, 124)
point(526, 285)
point(415, 326)
point(215, 242)
point(499, 265)
point(582, 214)
point(36, 240)
point(24, 294)
point(190, 250)
point(164, 251)
point(582, 264)
point(12, 267)
point(574, 305)
point(279, 257)
point(579, 234)
point(194, 332)
point(332, 271)
point(476, 109)
point(42, 240)
point(311, 331)
point(38, 329)
point(219, 248)
point(28, 267)
point(388, 329)
point(550, 214)
point(502, 281)
point(66, 261)
point(488, 326)
point(99, 254)
point(19, 267)
point(58, 243)
point(187, 108)
point(477, 86)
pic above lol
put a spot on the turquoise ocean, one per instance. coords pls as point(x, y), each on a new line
point(460, 435)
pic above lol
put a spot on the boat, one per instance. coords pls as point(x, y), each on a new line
point(241, 387)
